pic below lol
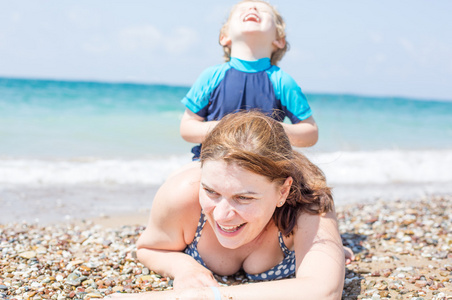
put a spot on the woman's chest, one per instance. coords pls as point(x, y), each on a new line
point(254, 258)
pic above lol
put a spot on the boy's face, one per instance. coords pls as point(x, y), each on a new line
point(252, 18)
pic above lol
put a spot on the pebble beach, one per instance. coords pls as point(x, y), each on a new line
point(403, 251)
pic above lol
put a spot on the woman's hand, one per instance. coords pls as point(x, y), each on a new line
point(129, 296)
point(349, 255)
point(194, 278)
point(186, 294)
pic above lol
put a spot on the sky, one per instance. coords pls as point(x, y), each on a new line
point(397, 48)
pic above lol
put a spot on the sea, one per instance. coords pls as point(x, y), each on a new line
point(75, 149)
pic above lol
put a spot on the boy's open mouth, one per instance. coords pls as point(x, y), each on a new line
point(252, 18)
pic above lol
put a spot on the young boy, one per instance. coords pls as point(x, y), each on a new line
point(254, 40)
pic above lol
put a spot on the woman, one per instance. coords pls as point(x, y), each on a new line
point(259, 207)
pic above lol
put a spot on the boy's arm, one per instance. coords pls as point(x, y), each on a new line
point(302, 134)
point(194, 128)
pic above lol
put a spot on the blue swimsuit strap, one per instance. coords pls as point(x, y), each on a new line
point(282, 245)
point(286, 268)
point(192, 249)
point(202, 222)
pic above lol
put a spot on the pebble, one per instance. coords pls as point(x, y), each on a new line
point(403, 254)
point(28, 254)
point(67, 261)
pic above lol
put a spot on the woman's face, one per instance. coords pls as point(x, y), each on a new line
point(238, 204)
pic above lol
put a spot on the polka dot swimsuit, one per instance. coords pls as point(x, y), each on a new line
point(285, 269)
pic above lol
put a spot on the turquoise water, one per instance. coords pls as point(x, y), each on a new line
point(71, 119)
point(348, 122)
point(78, 149)
point(58, 119)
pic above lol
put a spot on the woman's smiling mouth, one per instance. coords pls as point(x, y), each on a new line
point(230, 229)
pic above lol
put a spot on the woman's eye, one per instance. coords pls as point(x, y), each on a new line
point(244, 198)
point(211, 192)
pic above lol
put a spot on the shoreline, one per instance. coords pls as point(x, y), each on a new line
point(54, 204)
point(403, 250)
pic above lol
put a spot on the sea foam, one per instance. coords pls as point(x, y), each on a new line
point(349, 168)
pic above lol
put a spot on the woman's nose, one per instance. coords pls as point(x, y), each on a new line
point(223, 211)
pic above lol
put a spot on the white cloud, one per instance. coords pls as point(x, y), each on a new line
point(376, 37)
point(181, 40)
point(408, 46)
point(429, 53)
point(16, 17)
point(96, 46)
point(143, 37)
point(83, 18)
point(375, 63)
point(148, 37)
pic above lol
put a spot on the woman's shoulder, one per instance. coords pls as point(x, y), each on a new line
point(313, 231)
point(181, 189)
point(175, 211)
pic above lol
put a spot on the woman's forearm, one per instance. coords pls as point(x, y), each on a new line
point(294, 288)
point(299, 289)
point(184, 269)
point(163, 262)
point(193, 281)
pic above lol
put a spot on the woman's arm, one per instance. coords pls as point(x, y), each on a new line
point(320, 266)
point(320, 255)
point(172, 225)
point(320, 270)
point(193, 128)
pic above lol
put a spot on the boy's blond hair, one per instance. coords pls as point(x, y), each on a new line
point(280, 32)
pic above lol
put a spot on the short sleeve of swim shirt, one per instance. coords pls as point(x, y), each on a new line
point(292, 100)
point(198, 96)
point(289, 93)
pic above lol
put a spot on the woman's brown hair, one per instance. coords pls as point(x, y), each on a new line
point(260, 145)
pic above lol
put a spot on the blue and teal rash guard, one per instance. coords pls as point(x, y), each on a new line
point(246, 85)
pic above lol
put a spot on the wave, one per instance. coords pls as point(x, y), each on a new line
point(371, 167)
point(88, 171)
point(386, 166)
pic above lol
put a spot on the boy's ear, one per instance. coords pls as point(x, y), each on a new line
point(279, 43)
point(225, 40)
